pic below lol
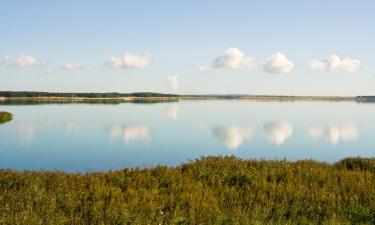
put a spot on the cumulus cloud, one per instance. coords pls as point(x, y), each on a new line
point(335, 133)
point(333, 64)
point(129, 61)
point(130, 133)
point(278, 63)
point(72, 66)
point(172, 82)
point(233, 58)
point(24, 61)
point(233, 136)
point(278, 132)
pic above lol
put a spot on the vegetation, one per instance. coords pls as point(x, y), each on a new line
point(5, 117)
point(212, 190)
point(32, 94)
point(365, 98)
point(114, 101)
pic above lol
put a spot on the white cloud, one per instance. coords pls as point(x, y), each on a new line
point(278, 63)
point(129, 61)
point(24, 61)
point(72, 66)
point(335, 133)
point(130, 133)
point(172, 82)
point(233, 58)
point(233, 136)
point(278, 132)
point(333, 64)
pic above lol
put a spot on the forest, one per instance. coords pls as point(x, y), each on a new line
point(32, 94)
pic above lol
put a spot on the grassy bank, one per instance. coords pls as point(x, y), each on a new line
point(5, 117)
point(211, 190)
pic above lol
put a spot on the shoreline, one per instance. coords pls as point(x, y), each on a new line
point(155, 96)
point(355, 162)
point(188, 97)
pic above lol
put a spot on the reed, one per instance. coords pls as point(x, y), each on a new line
point(211, 190)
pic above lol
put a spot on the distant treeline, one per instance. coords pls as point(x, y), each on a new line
point(210, 191)
point(365, 98)
point(62, 101)
point(32, 94)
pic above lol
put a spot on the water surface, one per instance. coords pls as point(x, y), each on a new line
point(96, 137)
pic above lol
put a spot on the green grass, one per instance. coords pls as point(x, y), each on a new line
point(213, 190)
point(5, 117)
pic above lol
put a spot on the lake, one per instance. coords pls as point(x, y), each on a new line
point(101, 137)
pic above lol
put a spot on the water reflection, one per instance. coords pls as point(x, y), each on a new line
point(233, 136)
point(130, 133)
point(278, 132)
point(172, 111)
point(77, 137)
point(72, 127)
point(335, 133)
point(25, 132)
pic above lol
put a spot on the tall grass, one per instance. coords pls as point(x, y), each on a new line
point(212, 190)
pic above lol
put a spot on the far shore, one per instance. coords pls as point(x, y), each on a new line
point(187, 97)
point(86, 98)
point(152, 97)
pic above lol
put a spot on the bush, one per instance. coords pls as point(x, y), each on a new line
point(5, 117)
point(357, 164)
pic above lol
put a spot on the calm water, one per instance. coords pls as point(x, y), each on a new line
point(94, 137)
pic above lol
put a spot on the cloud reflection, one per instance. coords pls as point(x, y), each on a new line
point(172, 111)
point(25, 132)
point(233, 136)
point(72, 127)
point(335, 133)
point(278, 132)
point(130, 133)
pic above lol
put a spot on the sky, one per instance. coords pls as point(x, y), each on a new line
point(189, 47)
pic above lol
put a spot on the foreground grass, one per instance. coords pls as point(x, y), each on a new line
point(212, 190)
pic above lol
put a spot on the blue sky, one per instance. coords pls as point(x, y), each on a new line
point(67, 46)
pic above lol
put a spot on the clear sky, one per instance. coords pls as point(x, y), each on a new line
point(285, 47)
